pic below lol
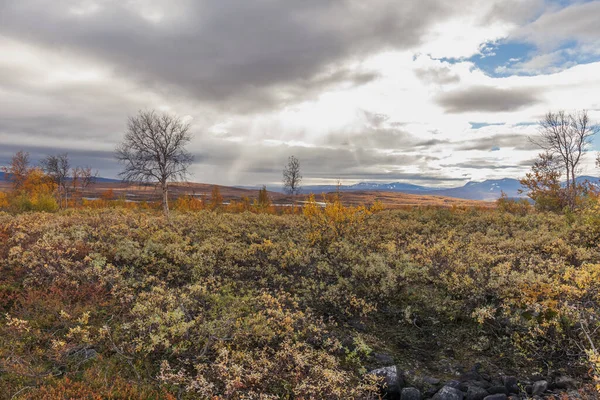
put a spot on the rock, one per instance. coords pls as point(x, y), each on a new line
point(537, 377)
point(410, 393)
point(481, 384)
point(448, 393)
point(563, 383)
point(428, 385)
point(497, 390)
point(539, 388)
point(393, 381)
point(511, 384)
point(383, 358)
point(476, 393)
point(431, 381)
point(500, 396)
point(454, 384)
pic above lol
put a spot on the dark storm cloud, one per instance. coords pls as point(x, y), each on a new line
point(487, 99)
point(236, 53)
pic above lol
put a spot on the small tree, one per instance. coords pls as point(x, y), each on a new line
point(216, 199)
point(566, 137)
point(154, 151)
point(291, 176)
point(18, 169)
point(81, 179)
point(542, 184)
point(264, 201)
point(59, 168)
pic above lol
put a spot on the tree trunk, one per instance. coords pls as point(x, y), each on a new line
point(165, 200)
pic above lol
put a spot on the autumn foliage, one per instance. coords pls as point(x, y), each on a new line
point(116, 303)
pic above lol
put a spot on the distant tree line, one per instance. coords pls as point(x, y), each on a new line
point(54, 183)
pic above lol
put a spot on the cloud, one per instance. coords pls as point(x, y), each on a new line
point(510, 140)
point(439, 76)
point(487, 99)
point(231, 53)
point(576, 22)
point(356, 90)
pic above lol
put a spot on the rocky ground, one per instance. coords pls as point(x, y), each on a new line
point(477, 385)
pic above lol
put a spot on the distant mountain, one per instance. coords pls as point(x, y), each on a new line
point(4, 178)
point(368, 186)
point(490, 189)
point(487, 190)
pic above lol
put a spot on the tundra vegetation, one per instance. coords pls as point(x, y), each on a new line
point(110, 302)
point(105, 299)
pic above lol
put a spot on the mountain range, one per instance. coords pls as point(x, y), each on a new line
point(488, 190)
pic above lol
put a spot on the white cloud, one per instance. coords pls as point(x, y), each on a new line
point(351, 107)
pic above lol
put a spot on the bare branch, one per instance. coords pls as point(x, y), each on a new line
point(153, 151)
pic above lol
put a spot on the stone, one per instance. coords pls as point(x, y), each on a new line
point(497, 390)
point(410, 393)
point(476, 393)
point(537, 377)
point(431, 381)
point(393, 381)
point(383, 358)
point(539, 388)
point(454, 384)
point(563, 383)
point(511, 384)
point(499, 396)
point(449, 393)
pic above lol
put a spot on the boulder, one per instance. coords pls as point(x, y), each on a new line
point(539, 388)
point(499, 396)
point(511, 384)
point(410, 393)
point(449, 393)
point(476, 393)
point(564, 383)
point(498, 389)
point(392, 382)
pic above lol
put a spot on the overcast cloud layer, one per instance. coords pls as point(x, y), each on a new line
point(427, 91)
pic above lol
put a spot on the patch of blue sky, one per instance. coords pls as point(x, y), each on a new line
point(479, 125)
point(502, 54)
point(506, 58)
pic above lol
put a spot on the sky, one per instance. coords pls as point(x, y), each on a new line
point(428, 92)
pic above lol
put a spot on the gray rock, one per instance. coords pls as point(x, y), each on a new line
point(511, 384)
point(539, 387)
point(383, 358)
point(497, 390)
point(431, 381)
point(410, 393)
point(454, 384)
point(476, 393)
point(448, 393)
point(563, 383)
point(537, 377)
point(499, 396)
point(393, 380)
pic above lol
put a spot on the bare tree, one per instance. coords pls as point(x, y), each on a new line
point(18, 169)
point(291, 176)
point(153, 151)
point(567, 136)
point(58, 167)
point(82, 178)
